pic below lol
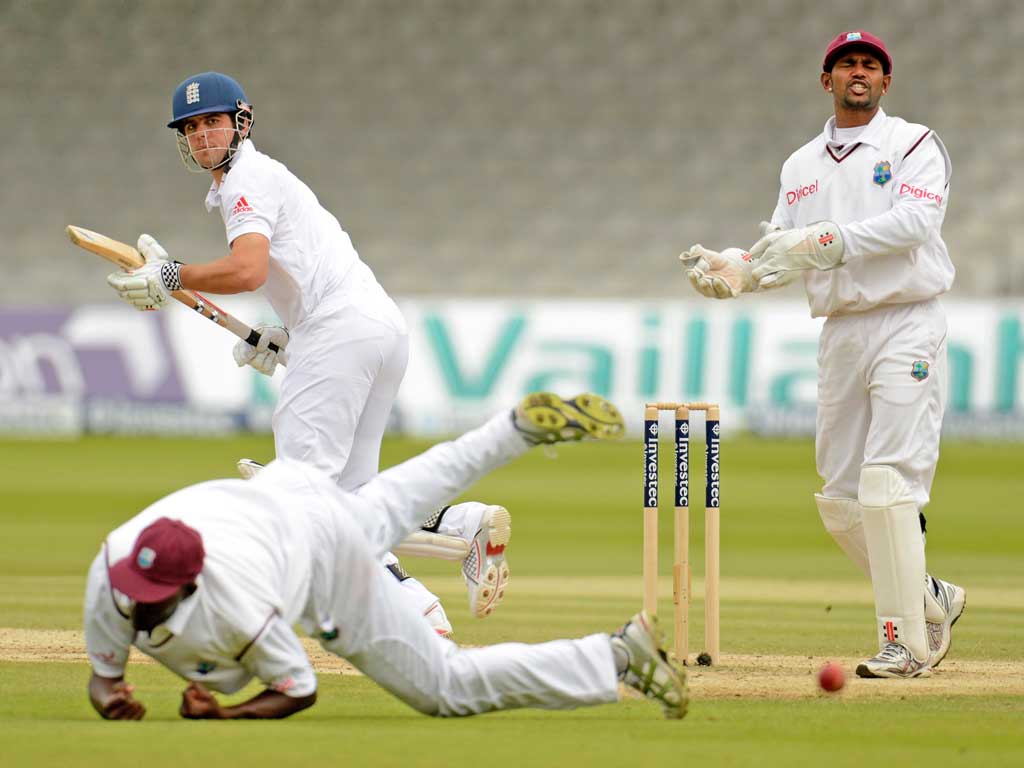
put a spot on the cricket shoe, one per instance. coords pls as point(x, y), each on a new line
point(894, 660)
point(485, 568)
point(648, 668)
point(543, 417)
point(951, 601)
point(248, 468)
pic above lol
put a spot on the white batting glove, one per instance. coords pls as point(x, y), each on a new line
point(783, 254)
point(149, 286)
point(718, 275)
point(261, 357)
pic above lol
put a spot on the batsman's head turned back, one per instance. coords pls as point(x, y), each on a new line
point(205, 93)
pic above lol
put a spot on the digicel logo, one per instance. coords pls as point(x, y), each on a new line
point(800, 193)
point(918, 192)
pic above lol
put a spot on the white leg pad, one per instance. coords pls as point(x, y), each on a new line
point(434, 545)
point(892, 532)
point(843, 520)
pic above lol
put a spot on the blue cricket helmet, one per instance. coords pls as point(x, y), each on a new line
point(205, 93)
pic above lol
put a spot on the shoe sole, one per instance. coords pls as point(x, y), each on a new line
point(494, 578)
point(594, 416)
point(963, 607)
point(864, 671)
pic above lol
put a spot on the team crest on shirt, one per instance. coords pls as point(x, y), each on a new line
point(883, 173)
point(206, 667)
point(919, 370)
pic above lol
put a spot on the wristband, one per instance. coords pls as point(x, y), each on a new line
point(170, 275)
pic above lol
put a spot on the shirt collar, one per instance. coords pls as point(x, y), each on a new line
point(176, 623)
point(872, 134)
point(213, 195)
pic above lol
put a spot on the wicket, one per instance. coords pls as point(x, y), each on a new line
point(681, 537)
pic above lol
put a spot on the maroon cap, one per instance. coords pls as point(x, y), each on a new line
point(861, 39)
point(166, 556)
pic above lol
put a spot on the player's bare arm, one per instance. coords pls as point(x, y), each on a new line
point(197, 703)
point(244, 269)
point(150, 286)
point(112, 698)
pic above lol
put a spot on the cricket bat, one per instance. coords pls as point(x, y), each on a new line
point(128, 258)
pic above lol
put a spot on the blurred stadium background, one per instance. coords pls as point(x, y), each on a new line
point(490, 159)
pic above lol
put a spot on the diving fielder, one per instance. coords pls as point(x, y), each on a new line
point(859, 217)
point(346, 340)
point(210, 580)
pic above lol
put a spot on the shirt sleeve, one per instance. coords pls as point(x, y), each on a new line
point(108, 631)
point(920, 191)
point(278, 659)
point(251, 202)
point(779, 216)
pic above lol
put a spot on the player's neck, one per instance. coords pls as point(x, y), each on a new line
point(218, 174)
point(853, 118)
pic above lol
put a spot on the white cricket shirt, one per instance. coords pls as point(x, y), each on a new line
point(310, 254)
point(266, 541)
point(888, 191)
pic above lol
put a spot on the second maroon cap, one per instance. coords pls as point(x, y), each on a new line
point(861, 39)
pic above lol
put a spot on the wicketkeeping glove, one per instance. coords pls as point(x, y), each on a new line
point(718, 275)
point(149, 286)
point(780, 255)
point(261, 357)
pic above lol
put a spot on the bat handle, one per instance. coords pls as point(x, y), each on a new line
point(254, 338)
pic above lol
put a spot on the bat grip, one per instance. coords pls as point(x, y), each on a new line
point(254, 338)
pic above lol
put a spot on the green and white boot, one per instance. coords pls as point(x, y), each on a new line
point(544, 417)
point(648, 668)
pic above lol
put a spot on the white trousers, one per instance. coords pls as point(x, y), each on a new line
point(344, 370)
point(381, 631)
point(881, 395)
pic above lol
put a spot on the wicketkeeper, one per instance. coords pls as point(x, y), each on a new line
point(859, 218)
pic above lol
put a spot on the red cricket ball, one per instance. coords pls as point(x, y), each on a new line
point(831, 677)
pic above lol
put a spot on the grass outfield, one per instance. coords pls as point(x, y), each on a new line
point(789, 601)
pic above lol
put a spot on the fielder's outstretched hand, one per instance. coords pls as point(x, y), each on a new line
point(197, 703)
point(117, 703)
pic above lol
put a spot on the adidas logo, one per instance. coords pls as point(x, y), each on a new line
point(242, 206)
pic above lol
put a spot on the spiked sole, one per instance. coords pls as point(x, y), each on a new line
point(494, 576)
point(586, 415)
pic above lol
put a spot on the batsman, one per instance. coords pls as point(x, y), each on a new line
point(859, 219)
point(346, 340)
